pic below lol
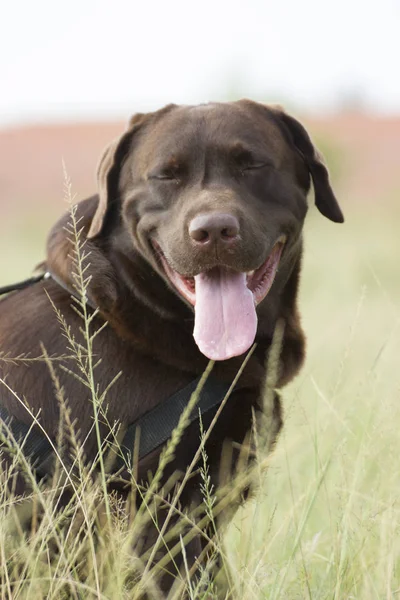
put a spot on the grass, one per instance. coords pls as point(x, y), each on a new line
point(324, 523)
point(327, 522)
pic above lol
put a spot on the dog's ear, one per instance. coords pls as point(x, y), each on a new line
point(108, 173)
point(296, 134)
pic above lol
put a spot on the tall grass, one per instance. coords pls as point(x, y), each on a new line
point(324, 521)
point(60, 538)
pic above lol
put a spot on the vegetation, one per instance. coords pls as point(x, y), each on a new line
point(324, 521)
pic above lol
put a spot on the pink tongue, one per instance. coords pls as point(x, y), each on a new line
point(225, 314)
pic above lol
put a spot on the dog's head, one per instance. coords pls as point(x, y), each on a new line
point(214, 198)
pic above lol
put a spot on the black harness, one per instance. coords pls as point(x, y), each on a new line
point(154, 428)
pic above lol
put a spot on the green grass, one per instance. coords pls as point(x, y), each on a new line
point(325, 522)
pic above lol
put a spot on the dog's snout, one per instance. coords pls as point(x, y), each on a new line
point(214, 227)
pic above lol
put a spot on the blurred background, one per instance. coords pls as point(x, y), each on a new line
point(72, 74)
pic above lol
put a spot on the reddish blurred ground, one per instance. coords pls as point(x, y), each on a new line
point(368, 159)
point(364, 153)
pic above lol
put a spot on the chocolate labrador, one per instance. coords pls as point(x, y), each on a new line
point(195, 244)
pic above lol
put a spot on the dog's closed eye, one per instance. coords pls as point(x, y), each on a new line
point(246, 160)
point(163, 176)
point(171, 170)
point(255, 166)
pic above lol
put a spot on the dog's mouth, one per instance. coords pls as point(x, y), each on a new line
point(224, 301)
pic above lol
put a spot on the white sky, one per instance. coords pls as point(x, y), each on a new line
point(97, 58)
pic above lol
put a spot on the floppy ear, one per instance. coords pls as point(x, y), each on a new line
point(108, 173)
point(324, 197)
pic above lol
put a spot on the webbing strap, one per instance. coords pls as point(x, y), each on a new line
point(154, 428)
point(32, 441)
point(14, 287)
point(23, 284)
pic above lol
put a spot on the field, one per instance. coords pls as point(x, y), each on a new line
point(325, 523)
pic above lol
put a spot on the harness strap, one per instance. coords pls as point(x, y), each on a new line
point(154, 428)
point(34, 444)
point(23, 284)
point(68, 288)
point(14, 287)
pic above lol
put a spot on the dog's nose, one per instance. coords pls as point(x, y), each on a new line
point(214, 227)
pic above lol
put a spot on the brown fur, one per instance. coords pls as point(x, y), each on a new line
point(149, 337)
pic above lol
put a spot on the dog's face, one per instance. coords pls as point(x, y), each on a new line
point(214, 198)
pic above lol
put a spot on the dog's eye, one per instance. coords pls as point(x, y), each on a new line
point(167, 176)
point(255, 167)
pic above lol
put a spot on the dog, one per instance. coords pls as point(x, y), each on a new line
point(194, 243)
